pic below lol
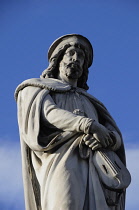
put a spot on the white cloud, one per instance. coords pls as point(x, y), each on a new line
point(132, 198)
point(11, 188)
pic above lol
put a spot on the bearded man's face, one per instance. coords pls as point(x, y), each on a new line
point(72, 62)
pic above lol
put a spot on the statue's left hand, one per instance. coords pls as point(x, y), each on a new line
point(101, 134)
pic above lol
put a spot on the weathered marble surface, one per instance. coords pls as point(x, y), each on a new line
point(61, 126)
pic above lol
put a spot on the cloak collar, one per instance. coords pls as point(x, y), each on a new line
point(47, 83)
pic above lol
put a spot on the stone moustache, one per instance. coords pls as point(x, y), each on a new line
point(73, 155)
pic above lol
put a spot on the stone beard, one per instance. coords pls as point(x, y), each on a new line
point(61, 126)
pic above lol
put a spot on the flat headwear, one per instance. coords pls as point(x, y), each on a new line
point(71, 39)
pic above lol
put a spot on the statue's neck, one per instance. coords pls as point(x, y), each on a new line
point(72, 82)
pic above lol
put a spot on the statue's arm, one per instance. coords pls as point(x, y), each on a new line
point(106, 135)
point(67, 121)
point(115, 136)
point(63, 119)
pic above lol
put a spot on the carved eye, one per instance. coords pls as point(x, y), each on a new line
point(71, 52)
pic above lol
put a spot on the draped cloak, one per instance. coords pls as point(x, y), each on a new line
point(58, 170)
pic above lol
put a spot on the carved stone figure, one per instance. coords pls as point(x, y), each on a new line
point(72, 150)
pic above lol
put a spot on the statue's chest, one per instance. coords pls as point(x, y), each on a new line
point(75, 103)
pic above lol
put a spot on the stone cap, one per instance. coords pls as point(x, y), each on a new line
point(71, 39)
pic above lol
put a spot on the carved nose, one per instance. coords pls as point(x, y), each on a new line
point(75, 57)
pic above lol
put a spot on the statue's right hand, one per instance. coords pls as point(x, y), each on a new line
point(91, 142)
point(101, 134)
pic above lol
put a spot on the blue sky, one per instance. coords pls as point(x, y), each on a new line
point(27, 29)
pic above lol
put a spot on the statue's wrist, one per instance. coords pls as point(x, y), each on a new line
point(87, 127)
point(93, 127)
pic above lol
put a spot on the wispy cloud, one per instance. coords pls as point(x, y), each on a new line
point(132, 198)
point(11, 187)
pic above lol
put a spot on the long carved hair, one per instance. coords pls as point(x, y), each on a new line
point(53, 68)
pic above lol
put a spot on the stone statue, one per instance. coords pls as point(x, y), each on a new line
point(67, 136)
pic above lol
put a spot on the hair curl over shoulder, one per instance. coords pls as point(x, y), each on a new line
point(53, 68)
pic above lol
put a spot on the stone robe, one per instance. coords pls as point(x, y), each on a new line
point(58, 169)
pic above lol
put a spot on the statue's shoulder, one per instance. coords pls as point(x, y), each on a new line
point(48, 84)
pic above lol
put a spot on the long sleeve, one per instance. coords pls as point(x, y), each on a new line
point(63, 119)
